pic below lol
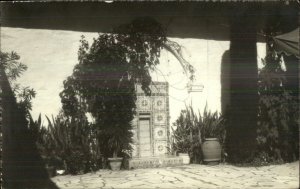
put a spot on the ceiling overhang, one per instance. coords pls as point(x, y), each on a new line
point(181, 19)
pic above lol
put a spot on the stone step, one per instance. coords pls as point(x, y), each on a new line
point(152, 162)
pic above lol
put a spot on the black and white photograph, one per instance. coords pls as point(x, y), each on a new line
point(149, 94)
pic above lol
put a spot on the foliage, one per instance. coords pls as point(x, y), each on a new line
point(192, 129)
point(72, 143)
point(13, 68)
point(278, 113)
point(37, 131)
point(66, 144)
point(212, 125)
point(103, 82)
point(264, 159)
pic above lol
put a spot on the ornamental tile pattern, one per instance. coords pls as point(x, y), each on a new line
point(151, 122)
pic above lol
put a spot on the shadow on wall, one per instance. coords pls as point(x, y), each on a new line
point(22, 165)
point(225, 81)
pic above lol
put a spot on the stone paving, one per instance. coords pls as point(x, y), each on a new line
point(189, 176)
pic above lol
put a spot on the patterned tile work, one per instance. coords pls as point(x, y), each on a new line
point(154, 162)
point(154, 108)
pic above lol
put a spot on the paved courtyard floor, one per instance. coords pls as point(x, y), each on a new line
point(190, 176)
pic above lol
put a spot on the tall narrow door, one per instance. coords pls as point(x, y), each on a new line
point(145, 141)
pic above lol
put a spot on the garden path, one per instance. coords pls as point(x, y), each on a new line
point(188, 176)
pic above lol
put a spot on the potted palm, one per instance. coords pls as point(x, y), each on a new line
point(212, 132)
point(115, 162)
point(181, 147)
point(117, 140)
point(182, 139)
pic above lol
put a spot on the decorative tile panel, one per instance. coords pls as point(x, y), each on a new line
point(159, 88)
point(152, 139)
point(160, 147)
point(144, 103)
point(160, 133)
point(136, 163)
point(160, 118)
point(159, 103)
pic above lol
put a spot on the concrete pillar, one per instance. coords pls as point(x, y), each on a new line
point(242, 117)
point(225, 82)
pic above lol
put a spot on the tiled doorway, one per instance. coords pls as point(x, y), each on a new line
point(144, 136)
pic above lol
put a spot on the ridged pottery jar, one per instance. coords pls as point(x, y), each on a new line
point(185, 158)
point(115, 163)
point(211, 149)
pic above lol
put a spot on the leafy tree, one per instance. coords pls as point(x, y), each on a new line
point(13, 68)
point(20, 168)
point(278, 112)
point(103, 82)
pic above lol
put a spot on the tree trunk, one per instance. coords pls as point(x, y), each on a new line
point(242, 117)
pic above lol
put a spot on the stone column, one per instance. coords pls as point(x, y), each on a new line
point(242, 117)
point(225, 82)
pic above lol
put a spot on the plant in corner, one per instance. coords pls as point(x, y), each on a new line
point(184, 140)
point(213, 135)
point(195, 133)
point(116, 142)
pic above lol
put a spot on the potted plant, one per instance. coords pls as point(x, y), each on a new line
point(115, 162)
point(39, 135)
point(199, 136)
point(185, 158)
point(182, 140)
point(212, 132)
point(116, 143)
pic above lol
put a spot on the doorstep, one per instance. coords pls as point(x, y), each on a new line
point(152, 162)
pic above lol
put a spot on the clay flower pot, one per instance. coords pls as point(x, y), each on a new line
point(211, 149)
point(185, 158)
point(115, 163)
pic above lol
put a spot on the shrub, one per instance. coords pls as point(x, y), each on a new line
point(73, 142)
point(278, 113)
point(67, 144)
point(191, 131)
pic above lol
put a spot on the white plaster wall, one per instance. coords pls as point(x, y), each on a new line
point(52, 54)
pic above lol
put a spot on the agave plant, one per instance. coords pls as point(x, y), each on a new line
point(192, 129)
point(36, 128)
point(211, 124)
point(187, 135)
point(38, 133)
point(73, 143)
